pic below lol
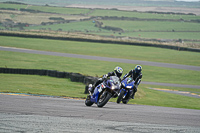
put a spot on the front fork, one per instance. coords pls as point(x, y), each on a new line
point(126, 92)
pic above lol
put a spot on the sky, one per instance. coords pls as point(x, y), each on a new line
point(189, 0)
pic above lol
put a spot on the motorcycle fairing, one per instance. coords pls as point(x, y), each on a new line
point(128, 82)
point(95, 95)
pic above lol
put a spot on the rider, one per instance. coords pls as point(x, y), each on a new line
point(117, 72)
point(136, 74)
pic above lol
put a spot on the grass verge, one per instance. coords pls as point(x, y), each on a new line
point(32, 84)
point(146, 96)
point(65, 88)
point(93, 67)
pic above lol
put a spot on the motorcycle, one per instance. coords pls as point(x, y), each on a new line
point(126, 90)
point(103, 92)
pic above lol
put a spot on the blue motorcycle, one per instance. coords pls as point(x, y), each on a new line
point(126, 90)
point(103, 92)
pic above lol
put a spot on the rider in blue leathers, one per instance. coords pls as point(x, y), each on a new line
point(136, 74)
point(117, 72)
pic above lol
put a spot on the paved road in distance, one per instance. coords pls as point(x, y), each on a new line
point(186, 67)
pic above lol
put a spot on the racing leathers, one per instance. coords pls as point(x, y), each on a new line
point(100, 80)
point(136, 77)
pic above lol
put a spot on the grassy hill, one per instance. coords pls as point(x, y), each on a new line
point(110, 2)
point(175, 28)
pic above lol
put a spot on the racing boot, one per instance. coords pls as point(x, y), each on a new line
point(132, 95)
point(134, 91)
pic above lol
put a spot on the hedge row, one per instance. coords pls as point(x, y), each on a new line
point(74, 77)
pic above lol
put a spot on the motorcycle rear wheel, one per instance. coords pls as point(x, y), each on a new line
point(104, 98)
point(120, 97)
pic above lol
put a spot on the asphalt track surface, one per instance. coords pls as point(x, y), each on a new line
point(31, 114)
point(177, 66)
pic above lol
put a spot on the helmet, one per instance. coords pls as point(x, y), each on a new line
point(118, 71)
point(138, 68)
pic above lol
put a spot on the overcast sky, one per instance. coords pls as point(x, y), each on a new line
point(188, 0)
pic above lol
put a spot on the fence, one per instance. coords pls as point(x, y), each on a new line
point(74, 77)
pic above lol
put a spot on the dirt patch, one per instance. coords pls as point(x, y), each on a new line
point(184, 93)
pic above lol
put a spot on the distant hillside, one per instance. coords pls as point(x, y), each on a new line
point(160, 3)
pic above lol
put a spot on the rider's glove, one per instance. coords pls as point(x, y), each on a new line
point(105, 76)
point(125, 76)
point(90, 87)
point(138, 81)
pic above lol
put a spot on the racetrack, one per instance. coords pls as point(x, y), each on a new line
point(47, 114)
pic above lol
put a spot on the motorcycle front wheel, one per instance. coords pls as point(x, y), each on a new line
point(104, 98)
point(88, 101)
point(120, 97)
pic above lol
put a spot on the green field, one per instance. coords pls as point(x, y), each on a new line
point(136, 25)
point(157, 98)
point(101, 12)
point(159, 36)
point(153, 25)
point(160, 30)
point(141, 15)
point(30, 84)
point(105, 50)
point(73, 27)
point(14, 6)
point(59, 10)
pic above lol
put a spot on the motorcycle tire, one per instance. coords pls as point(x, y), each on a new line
point(125, 101)
point(120, 97)
point(104, 98)
point(88, 101)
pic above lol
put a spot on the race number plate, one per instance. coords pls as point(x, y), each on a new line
point(101, 87)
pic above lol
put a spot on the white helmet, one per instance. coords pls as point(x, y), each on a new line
point(118, 71)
